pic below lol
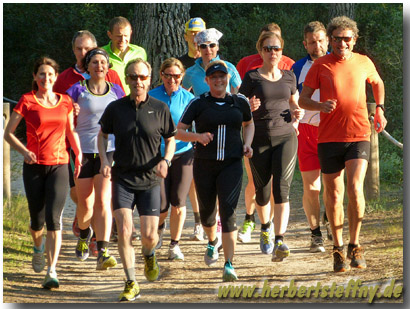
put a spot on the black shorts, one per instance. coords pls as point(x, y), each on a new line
point(175, 187)
point(91, 164)
point(148, 202)
point(332, 156)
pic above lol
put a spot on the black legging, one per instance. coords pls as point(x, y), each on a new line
point(222, 179)
point(273, 156)
point(46, 188)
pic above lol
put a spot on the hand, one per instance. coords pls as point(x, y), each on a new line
point(295, 126)
point(298, 113)
point(380, 121)
point(255, 103)
point(105, 169)
point(328, 106)
point(30, 157)
point(247, 151)
point(77, 165)
point(76, 109)
point(205, 138)
point(162, 169)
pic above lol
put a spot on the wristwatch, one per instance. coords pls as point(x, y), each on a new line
point(167, 161)
point(381, 106)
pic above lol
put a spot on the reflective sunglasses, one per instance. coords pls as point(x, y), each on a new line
point(339, 39)
point(169, 76)
point(136, 76)
point(269, 48)
point(204, 46)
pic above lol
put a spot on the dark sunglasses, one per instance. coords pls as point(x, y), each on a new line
point(269, 48)
point(204, 46)
point(169, 76)
point(339, 39)
point(136, 76)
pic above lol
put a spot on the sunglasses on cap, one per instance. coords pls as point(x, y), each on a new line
point(339, 39)
point(269, 48)
point(169, 76)
point(136, 76)
point(204, 46)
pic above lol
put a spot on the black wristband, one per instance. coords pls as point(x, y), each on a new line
point(381, 106)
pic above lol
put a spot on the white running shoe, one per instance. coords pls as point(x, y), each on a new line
point(175, 253)
point(198, 232)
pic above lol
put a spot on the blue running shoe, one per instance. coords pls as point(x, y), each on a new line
point(266, 243)
point(229, 273)
point(280, 251)
point(211, 254)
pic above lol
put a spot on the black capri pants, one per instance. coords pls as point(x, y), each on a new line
point(273, 156)
point(46, 188)
point(175, 187)
point(222, 179)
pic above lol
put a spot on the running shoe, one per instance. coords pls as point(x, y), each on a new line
point(339, 262)
point(316, 244)
point(211, 254)
point(131, 291)
point(81, 250)
point(151, 269)
point(357, 257)
point(266, 243)
point(175, 253)
point(93, 247)
point(160, 236)
point(198, 232)
point(51, 281)
point(38, 261)
point(75, 228)
point(244, 235)
point(105, 261)
point(280, 251)
point(229, 273)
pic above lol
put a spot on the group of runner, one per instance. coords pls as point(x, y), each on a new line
point(133, 147)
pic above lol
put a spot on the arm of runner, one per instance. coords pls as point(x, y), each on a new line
point(15, 118)
point(162, 166)
point(74, 144)
point(380, 121)
point(248, 132)
point(102, 143)
point(183, 135)
point(307, 103)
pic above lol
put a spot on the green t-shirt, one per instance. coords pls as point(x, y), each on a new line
point(119, 64)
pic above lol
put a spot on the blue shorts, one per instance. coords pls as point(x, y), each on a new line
point(148, 202)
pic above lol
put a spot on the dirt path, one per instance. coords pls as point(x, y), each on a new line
point(193, 281)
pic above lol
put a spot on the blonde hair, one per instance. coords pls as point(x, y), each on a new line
point(170, 62)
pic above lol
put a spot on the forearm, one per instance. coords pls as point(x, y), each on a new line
point(74, 141)
point(248, 133)
point(379, 92)
point(309, 104)
point(102, 144)
point(186, 136)
point(15, 143)
point(170, 147)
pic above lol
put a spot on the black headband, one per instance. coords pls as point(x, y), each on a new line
point(96, 52)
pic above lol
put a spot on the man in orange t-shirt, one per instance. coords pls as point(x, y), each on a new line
point(244, 65)
point(344, 132)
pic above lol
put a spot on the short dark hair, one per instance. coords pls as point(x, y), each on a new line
point(344, 23)
point(120, 21)
point(39, 62)
point(313, 27)
point(82, 33)
point(91, 53)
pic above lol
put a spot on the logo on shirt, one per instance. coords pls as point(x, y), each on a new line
point(150, 112)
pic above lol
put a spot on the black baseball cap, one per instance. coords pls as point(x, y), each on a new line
point(216, 67)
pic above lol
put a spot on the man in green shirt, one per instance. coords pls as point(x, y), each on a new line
point(119, 48)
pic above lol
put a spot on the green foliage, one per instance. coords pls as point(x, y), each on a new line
point(17, 244)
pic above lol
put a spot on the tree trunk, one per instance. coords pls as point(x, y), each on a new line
point(159, 28)
point(341, 9)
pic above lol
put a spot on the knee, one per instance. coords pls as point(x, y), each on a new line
point(355, 191)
